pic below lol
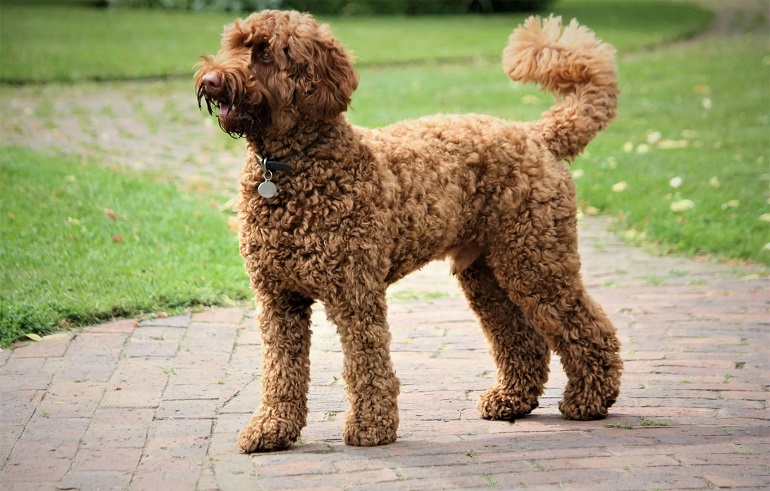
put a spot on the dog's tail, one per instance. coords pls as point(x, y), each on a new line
point(577, 67)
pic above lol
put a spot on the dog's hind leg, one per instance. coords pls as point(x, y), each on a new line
point(370, 381)
point(284, 320)
point(540, 269)
point(520, 351)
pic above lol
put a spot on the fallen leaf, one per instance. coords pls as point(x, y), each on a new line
point(73, 221)
point(733, 203)
point(628, 147)
point(70, 179)
point(11, 215)
point(591, 211)
point(529, 100)
point(654, 137)
point(714, 182)
point(110, 214)
point(673, 144)
point(706, 102)
point(765, 217)
point(33, 336)
point(161, 315)
point(682, 205)
point(577, 173)
point(118, 239)
point(619, 187)
point(642, 148)
point(228, 206)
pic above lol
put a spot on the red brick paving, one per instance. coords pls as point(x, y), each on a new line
point(158, 404)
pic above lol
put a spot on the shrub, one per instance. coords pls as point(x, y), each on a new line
point(346, 7)
point(224, 5)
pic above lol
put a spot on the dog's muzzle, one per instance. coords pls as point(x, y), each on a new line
point(211, 90)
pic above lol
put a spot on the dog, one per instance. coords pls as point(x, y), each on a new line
point(335, 213)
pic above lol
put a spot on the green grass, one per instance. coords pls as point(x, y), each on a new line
point(67, 260)
point(712, 97)
point(45, 43)
point(629, 25)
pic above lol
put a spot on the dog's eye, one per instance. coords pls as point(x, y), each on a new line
point(261, 52)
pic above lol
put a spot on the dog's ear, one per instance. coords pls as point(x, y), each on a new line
point(329, 76)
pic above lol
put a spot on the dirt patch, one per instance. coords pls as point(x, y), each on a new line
point(153, 127)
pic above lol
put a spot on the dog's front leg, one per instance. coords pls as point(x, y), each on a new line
point(370, 382)
point(284, 320)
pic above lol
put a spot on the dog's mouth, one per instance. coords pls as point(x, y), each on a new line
point(224, 109)
point(236, 115)
point(216, 105)
point(231, 116)
point(220, 108)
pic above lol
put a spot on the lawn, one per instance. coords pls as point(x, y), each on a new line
point(83, 244)
point(686, 168)
point(683, 169)
point(44, 43)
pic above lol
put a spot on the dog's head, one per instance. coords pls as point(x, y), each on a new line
point(274, 69)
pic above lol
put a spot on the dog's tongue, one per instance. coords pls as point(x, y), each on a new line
point(224, 109)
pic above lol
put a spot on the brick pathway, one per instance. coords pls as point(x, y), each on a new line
point(157, 405)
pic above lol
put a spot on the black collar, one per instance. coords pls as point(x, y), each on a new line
point(272, 165)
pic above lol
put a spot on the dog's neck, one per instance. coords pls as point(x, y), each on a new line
point(297, 142)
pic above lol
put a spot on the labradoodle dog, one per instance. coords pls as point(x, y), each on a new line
point(334, 212)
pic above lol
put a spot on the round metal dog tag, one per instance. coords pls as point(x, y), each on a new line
point(267, 189)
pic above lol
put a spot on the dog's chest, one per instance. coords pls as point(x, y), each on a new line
point(300, 240)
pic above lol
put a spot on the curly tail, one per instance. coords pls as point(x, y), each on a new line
point(574, 65)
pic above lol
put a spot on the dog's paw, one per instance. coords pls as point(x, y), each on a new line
point(587, 404)
point(582, 412)
point(369, 436)
point(265, 433)
point(503, 404)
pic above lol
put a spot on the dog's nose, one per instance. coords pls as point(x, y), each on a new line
point(212, 80)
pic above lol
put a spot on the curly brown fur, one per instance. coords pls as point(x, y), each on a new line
point(362, 208)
